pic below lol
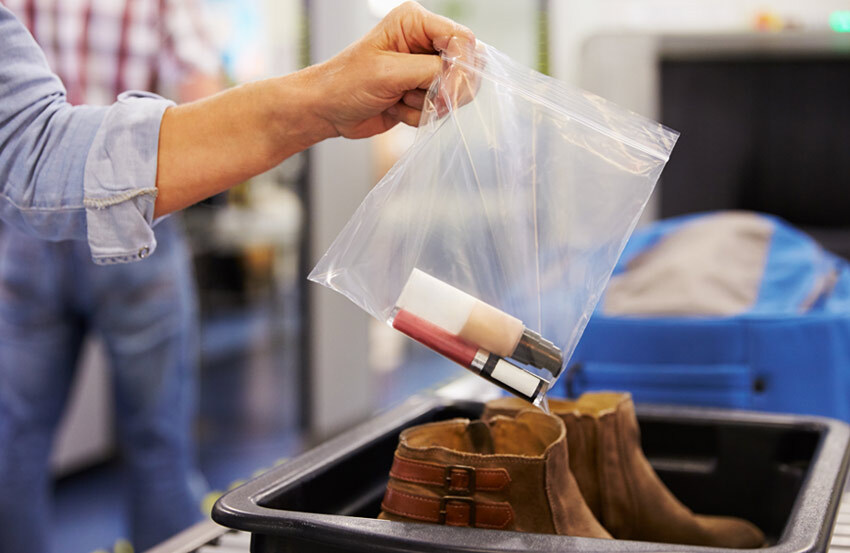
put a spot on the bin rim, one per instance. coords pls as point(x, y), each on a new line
point(805, 532)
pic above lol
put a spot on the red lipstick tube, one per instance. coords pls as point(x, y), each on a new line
point(508, 376)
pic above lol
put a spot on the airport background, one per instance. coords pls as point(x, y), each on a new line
point(286, 364)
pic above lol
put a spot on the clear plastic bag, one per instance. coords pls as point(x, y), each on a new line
point(492, 238)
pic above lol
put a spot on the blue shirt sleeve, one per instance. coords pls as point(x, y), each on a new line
point(74, 172)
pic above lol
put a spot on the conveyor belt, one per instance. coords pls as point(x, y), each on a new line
point(206, 537)
point(230, 542)
point(841, 532)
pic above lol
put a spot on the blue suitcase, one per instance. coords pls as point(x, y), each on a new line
point(773, 357)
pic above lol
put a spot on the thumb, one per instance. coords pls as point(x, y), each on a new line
point(411, 71)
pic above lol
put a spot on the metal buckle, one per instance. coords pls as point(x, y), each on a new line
point(462, 499)
point(470, 474)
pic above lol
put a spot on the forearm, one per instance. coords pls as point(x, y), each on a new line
point(198, 85)
point(105, 174)
point(207, 146)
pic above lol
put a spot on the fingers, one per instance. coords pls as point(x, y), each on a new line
point(410, 71)
point(405, 114)
point(393, 65)
point(412, 75)
point(413, 27)
point(415, 98)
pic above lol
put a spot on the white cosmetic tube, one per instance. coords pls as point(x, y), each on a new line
point(473, 320)
point(461, 314)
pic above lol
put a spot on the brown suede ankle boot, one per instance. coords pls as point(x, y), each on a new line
point(511, 473)
point(618, 483)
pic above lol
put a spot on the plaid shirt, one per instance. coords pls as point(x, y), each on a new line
point(100, 48)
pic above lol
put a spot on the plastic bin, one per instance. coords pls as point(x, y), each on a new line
point(784, 473)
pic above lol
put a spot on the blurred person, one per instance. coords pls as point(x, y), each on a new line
point(106, 175)
point(52, 295)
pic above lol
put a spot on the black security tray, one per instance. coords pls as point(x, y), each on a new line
point(784, 473)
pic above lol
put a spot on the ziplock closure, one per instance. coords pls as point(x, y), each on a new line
point(588, 121)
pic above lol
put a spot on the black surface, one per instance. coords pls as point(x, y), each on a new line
point(762, 135)
point(784, 473)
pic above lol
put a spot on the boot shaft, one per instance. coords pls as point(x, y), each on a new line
point(605, 455)
point(582, 442)
point(508, 473)
point(618, 483)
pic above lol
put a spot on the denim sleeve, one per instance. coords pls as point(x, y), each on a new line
point(74, 172)
point(120, 179)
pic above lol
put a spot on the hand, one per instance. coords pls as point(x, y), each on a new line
point(382, 79)
point(212, 144)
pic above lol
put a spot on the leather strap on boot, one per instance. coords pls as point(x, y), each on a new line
point(454, 478)
point(450, 510)
point(459, 483)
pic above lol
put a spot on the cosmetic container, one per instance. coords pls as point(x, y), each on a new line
point(473, 320)
point(488, 365)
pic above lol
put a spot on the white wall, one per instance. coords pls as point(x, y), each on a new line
point(573, 22)
point(341, 174)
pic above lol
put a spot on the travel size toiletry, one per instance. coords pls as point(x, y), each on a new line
point(475, 321)
point(508, 376)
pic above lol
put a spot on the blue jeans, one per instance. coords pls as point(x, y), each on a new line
point(51, 295)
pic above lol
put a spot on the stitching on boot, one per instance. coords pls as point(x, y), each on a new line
point(600, 477)
point(627, 477)
point(549, 499)
point(507, 510)
point(459, 510)
point(508, 519)
point(407, 514)
point(500, 472)
point(489, 459)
